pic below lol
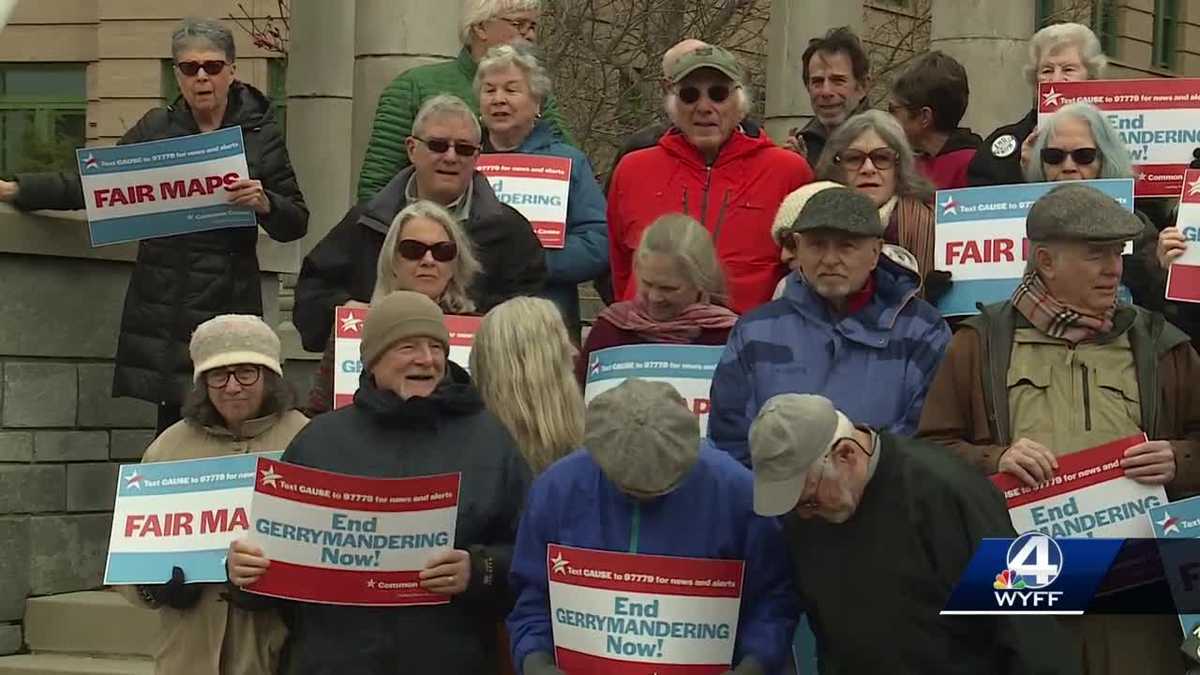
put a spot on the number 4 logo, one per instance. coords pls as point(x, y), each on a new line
point(1035, 558)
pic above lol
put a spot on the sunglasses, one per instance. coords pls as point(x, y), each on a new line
point(190, 68)
point(853, 160)
point(441, 145)
point(522, 26)
point(1082, 156)
point(245, 376)
point(411, 249)
point(716, 93)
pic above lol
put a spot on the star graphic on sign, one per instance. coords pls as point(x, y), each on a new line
point(351, 324)
point(559, 565)
point(370, 583)
point(133, 480)
point(1052, 98)
point(1169, 524)
point(949, 207)
point(1194, 188)
point(269, 477)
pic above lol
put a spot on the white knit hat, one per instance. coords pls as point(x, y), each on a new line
point(230, 339)
point(792, 204)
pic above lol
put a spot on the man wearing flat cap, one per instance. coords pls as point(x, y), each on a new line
point(1063, 366)
point(849, 326)
point(880, 529)
point(645, 483)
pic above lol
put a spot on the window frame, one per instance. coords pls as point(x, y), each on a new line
point(1164, 48)
point(44, 108)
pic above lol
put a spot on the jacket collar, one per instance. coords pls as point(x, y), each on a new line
point(895, 287)
point(454, 397)
point(744, 140)
point(465, 63)
point(379, 211)
point(961, 138)
point(247, 107)
point(252, 428)
point(540, 139)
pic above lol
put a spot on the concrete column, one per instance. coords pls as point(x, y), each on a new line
point(791, 26)
point(990, 39)
point(390, 37)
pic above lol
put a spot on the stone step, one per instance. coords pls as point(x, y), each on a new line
point(90, 622)
point(73, 664)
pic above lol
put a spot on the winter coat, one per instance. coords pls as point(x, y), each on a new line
point(397, 109)
point(998, 160)
point(735, 199)
point(342, 266)
point(910, 227)
point(585, 254)
point(875, 364)
point(574, 504)
point(215, 637)
point(384, 436)
point(948, 169)
point(182, 281)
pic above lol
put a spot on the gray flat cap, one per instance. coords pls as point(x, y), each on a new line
point(1077, 212)
point(840, 209)
point(788, 436)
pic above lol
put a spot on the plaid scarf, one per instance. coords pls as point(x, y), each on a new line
point(1055, 319)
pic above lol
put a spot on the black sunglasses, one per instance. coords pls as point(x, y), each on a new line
point(411, 249)
point(441, 145)
point(882, 158)
point(1082, 156)
point(717, 93)
point(190, 68)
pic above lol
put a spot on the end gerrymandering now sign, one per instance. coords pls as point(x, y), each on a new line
point(537, 186)
point(688, 368)
point(163, 188)
point(629, 614)
point(1183, 279)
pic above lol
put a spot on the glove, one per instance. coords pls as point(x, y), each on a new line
point(748, 666)
point(937, 283)
point(540, 663)
point(175, 593)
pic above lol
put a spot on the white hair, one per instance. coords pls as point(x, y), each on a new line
point(475, 12)
point(505, 56)
point(442, 106)
point(1053, 38)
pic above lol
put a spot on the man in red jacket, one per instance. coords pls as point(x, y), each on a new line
point(714, 166)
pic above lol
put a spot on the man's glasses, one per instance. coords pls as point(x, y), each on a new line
point(853, 160)
point(218, 378)
point(716, 93)
point(813, 501)
point(411, 249)
point(441, 145)
point(522, 26)
point(1082, 156)
point(190, 68)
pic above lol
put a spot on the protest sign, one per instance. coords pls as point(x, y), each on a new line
point(348, 339)
point(179, 514)
point(348, 540)
point(1089, 496)
point(1157, 119)
point(980, 238)
point(1180, 520)
point(1183, 278)
point(163, 188)
point(537, 186)
point(623, 613)
point(688, 368)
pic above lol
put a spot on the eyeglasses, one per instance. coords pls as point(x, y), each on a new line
point(1082, 156)
point(522, 26)
point(411, 249)
point(813, 502)
point(190, 68)
point(441, 145)
point(853, 160)
point(716, 93)
point(245, 376)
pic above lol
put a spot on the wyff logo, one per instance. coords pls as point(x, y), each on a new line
point(1034, 561)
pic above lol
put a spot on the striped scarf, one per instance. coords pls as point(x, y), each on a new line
point(1055, 319)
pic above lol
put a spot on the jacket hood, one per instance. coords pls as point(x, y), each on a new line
point(247, 107)
point(745, 140)
point(961, 138)
point(454, 397)
point(378, 211)
point(895, 286)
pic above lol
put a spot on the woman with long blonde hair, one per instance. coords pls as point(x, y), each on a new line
point(522, 363)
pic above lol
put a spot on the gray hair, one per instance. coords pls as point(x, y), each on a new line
point(1114, 158)
point(684, 240)
point(1053, 38)
point(444, 105)
point(195, 32)
point(475, 12)
point(466, 267)
point(909, 181)
point(505, 56)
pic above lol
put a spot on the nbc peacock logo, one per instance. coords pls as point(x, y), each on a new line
point(1008, 579)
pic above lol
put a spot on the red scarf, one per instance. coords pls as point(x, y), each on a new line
point(859, 299)
point(683, 329)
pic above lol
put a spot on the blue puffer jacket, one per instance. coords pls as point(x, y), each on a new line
point(710, 515)
point(585, 255)
point(875, 365)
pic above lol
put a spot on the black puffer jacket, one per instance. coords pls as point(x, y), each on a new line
point(998, 160)
point(382, 435)
point(182, 281)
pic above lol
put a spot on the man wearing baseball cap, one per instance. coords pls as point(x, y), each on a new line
point(1063, 366)
point(849, 326)
point(881, 528)
point(645, 484)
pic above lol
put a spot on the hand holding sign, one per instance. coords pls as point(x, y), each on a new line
point(249, 192)
point(1171, 245)
point(1151, 463)
point(245, 563)
point(1029, 461)
point(8, 190)
point(447, 572)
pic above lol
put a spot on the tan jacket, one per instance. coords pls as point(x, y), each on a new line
point(214, 637)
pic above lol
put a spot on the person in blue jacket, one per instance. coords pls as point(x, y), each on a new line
point(646, 484)
point(848, 327)
point(512, 86)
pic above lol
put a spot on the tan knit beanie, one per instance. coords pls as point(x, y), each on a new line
point(230, 339)
point(792, 204)
point(400, 315)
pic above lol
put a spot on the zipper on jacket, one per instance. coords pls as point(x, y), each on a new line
point(704, 203)
point(1087, 400)
point(635, 527)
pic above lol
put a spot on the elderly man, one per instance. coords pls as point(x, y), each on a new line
point(641, 480)
point(881, 528)
point(1063, 367)
point(414, 414)
point(484, 24)
point(849, 326)
point(837, 75)
point(444, 148)
point(727, 175)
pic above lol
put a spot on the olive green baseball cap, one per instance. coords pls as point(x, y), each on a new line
point(709, 56)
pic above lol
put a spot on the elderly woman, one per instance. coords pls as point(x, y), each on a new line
point(425, 250)
point(484, 24)
point(180, 281)
point(239, 403)
point(1064, 52)
point(512, 87)
point(713, 165)
point(681, 294)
